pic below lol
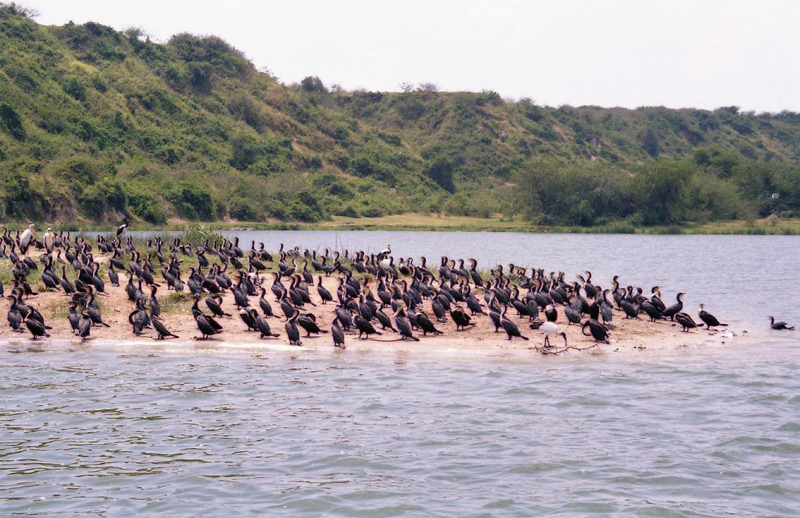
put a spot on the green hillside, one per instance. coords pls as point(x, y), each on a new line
point(96, 125)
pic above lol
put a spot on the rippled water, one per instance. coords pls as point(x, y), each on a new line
point(163, 430)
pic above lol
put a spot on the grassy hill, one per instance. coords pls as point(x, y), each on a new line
point(96, 125)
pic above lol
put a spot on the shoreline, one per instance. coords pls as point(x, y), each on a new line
point(628, 336)
point(443, 223)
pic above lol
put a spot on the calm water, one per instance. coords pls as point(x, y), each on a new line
point(153, 430)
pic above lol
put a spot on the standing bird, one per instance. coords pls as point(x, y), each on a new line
point(337, 333)
point(49, 240)
point(551, 329)
point(708, 318)
point(598, 331)
point(291, 329)
point(461, 318)
point(309, 322)
point(364, 326)
point(204, 324)
point(84, 325)
point(36, 327)
point(262, 326)
point(27, 238)
point(426, 325)
point(74, 317)
point(675, 308)
point(161, 329)
point(778, 326)
point(122, 228)
point(324, 294)
point(403, 325)
point(509, 326)
point(686, 321)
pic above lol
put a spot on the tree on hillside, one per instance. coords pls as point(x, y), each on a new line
point(313, 85)
point(649, 141)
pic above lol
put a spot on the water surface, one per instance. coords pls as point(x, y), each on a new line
point(160, 430)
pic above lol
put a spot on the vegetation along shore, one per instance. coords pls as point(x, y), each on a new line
point(97, 125)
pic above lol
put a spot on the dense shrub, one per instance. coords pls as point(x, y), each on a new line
point(11, 121)
point(98, 198)
point(148, 207)
point(75, 88)
point(243, 210)
point(16, 193)
point(192, 200)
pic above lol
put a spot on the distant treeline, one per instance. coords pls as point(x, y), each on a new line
point(708, 186)
point(97, 125)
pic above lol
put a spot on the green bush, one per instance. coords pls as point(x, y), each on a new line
point(441, 171)
point(11, 121)
point(96, 199)
point(16, 193)
point(192, 200)
point(81, 171)
point(75, 88)
point(148, 207)
point(243, 210)
point(169, 155)
point(199, 76)
point(305, 207)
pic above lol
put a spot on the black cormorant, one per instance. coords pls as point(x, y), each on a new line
point(291, 329)
point(778, 326)
point(708, 318)
point(686, 321)
point(161, 329)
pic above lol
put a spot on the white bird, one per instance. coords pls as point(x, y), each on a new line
point(26, 238)
point(383, 256)
point(122, 228)
point(49, 240)
point(551, 328)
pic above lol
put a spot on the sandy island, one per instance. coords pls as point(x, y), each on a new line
point(627, 335)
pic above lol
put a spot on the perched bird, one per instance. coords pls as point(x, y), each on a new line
point(84, 325)
point(291, 329)
point(709, 319)
point(161, 329)
point(122, 228)
point(337, 333)
point(686, 321)
point(551, 329)
point(27, 238)
point(74, 317)
point(461, 318)
point(262, 326)
point(598, 331)
point(49, 241)
point(36, 327)
point(510, 327)
point(363, 326)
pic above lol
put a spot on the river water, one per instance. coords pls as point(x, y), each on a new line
point(153, 430)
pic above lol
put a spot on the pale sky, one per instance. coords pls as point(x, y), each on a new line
point(675, 53)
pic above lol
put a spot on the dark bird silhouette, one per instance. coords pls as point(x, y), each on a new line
point(709, 319)
point(778, 326)
point(161, 329)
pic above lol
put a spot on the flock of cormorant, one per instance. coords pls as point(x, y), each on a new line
point(401, 290)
